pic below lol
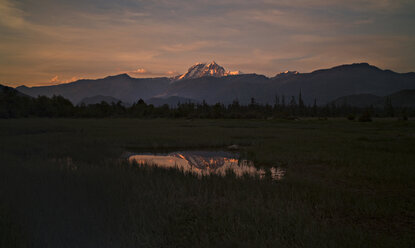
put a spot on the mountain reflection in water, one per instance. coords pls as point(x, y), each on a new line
point(204, 163)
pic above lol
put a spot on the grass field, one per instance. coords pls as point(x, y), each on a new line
point(347, 184)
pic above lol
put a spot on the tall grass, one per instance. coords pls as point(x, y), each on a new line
point(348, 184)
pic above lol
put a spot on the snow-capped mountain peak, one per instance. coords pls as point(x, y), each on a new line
point(203, 69)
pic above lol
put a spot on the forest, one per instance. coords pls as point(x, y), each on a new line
point(16, 105)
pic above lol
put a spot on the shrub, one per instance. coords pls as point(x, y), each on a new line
point(365, 117)
point(351, 117)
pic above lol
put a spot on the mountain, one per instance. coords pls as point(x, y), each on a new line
point(403, 98)
point(359, 100)
point(122, 87)
point(99, 99)
point(13, 103)
point(203, 70)
point(212, 83)
point(329, 84)
point(6, 91)
point(323, 85)
point(222, 89)
point(286, 74)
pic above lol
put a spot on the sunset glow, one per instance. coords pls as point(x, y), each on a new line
point(52, 42)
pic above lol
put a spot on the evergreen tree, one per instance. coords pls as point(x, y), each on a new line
point(388, 108)
point(293, 105)
point(283, 101)
point(277, 101)
point(301, 106)
point(300, 101)
point(315, 107)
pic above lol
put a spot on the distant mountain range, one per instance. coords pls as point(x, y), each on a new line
point(122, 87)
point(212, 83)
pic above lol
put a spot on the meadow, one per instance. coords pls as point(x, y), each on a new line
point(64, 183)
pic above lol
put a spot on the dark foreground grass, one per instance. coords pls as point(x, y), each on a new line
point(348, 184)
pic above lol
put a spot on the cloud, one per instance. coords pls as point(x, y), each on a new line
point(56, 80)
point(141, 71)
point(172, 73)
point(93, 39)
point(10, 16)
point(188, 46)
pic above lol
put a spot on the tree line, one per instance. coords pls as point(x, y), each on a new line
point(15, 105)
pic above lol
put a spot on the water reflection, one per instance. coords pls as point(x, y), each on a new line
point(204, 163)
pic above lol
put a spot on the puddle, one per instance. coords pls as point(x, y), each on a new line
point(205, 163)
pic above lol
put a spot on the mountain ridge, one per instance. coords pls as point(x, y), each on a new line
point(211, 82)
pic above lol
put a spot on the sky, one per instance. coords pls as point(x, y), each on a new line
point(44, 42)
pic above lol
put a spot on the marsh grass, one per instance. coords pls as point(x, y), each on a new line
point(348, 184)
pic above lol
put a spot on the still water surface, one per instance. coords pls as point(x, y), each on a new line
point(204, 163)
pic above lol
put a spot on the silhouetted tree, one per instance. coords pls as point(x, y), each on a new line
point(388, 108)
point(314, 107)
point(15, 105)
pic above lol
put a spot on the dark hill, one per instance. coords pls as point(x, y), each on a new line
point(403, 98)
point(121, 87)
point(9, 91)
point(359, 100)
point(99, 99)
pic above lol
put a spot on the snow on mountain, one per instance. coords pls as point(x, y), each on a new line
point(203, 69)
point(286, 74)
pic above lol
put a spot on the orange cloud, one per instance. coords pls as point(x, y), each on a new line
point(56, 80)
point(145, 72)
point(141, 71)
point(151, 73)
point(172, 73)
